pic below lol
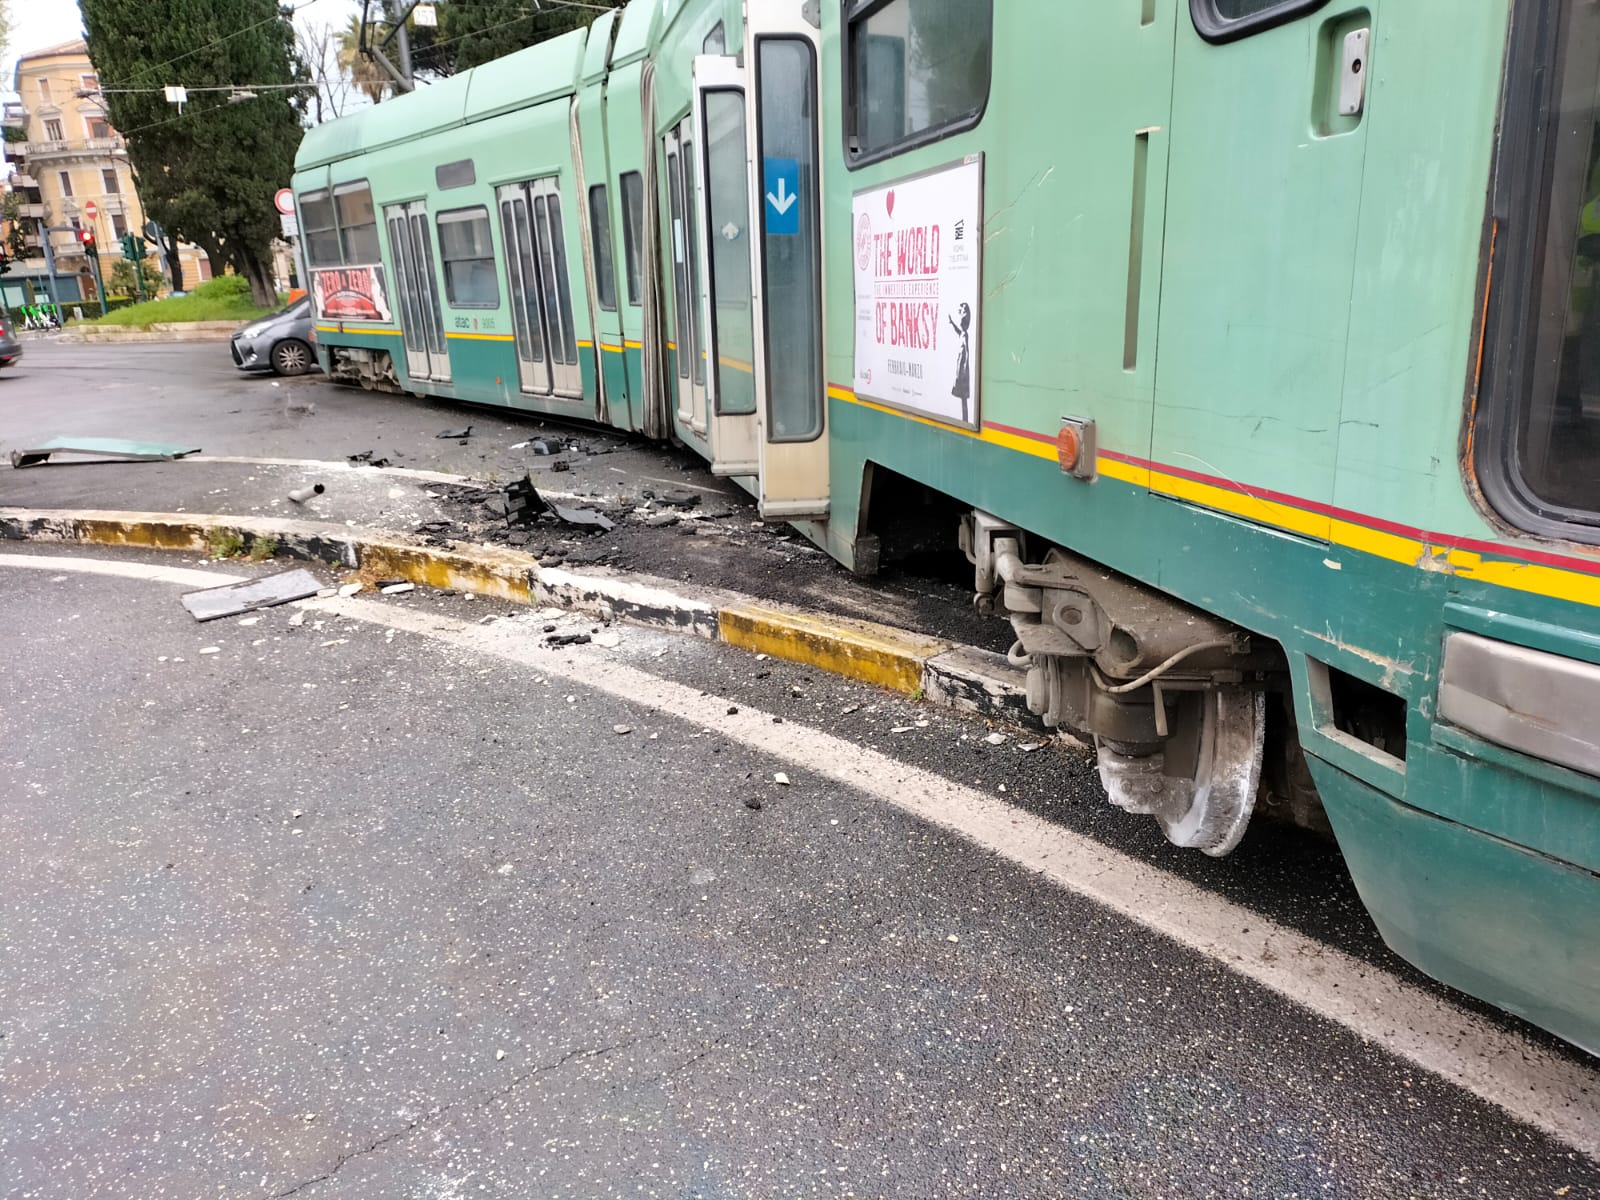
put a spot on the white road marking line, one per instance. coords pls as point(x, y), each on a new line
point(186, 576)
point(441, 477)
point(1550, 1092)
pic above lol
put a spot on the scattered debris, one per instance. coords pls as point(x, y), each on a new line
point(211, 650)
point(540, 448)
point(902, 729)
point(781, 779)
point(499, 1054)
point(733, 710)
point(621, 729)
point(118, 449)
point(1030, 747)
point(298, 619)
point(452, 434)
point(568, 639)
point(364, 458)
point(951, 938)
point(850, 708)
point(398, 589)
point(751, 802)
point(514, 446)
point(608, 641)
point(234, 598)
point(350, 589)
point(672, 499)
point(301, 495)
point(996, 739)
point(334, 642)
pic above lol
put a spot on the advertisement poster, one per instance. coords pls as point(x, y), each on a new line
point(350, 294)
point(918, 269)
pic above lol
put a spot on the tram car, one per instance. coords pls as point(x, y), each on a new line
point(1250, 350)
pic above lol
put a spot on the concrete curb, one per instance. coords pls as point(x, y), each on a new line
point(190, 331)
point(963, 678)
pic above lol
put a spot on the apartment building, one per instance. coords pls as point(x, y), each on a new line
point(71, 173)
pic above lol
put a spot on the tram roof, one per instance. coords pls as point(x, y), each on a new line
point(521, 80)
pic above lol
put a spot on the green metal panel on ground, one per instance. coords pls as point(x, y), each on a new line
point(1263, 204)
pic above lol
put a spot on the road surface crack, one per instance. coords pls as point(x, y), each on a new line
point(487, 1098)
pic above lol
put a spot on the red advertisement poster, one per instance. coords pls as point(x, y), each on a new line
point(350, 294)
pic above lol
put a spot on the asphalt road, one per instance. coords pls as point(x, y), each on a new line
point(191, 395)
point(398, 902)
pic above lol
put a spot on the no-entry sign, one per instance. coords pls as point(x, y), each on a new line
point(284, 199)
point(91, 210)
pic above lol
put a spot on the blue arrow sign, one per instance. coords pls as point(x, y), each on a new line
point(782, 179)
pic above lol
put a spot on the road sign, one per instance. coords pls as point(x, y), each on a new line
point(91, 210)
point(284, 200)
point(782, 179)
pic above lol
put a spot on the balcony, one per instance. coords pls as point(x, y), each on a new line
point(21, 181)
point(105, 147)
point(33, 211)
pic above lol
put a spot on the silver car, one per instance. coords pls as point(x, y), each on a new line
point(280, 342)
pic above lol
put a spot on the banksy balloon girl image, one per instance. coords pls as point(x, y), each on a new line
point(917, 256)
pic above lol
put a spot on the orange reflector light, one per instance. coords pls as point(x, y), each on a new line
point(1075, 448)
point(1069, 448)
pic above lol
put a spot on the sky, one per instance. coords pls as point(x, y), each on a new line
point(39, 23)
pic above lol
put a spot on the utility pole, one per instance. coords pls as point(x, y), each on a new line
point(395, 13)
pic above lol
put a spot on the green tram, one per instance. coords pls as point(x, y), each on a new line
point(1250, 348)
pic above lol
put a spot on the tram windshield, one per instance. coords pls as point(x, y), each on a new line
point(1558, 434)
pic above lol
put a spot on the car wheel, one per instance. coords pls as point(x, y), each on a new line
point(291, 357)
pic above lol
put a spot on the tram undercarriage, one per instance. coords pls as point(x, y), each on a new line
point(1175, 700)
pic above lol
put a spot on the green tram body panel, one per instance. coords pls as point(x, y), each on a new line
point(1273, 337)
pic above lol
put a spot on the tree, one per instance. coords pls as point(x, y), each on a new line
point(363, 69)
point(320, 48)
point(207, 172)
point(17, 226)
point(121, 281)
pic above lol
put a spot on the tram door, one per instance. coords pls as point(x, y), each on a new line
point(411, 247)
point(688, 349)
point(541, 288)
point(728, 315)
point(781, 53)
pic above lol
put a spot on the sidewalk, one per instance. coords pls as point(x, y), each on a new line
point(685, 549)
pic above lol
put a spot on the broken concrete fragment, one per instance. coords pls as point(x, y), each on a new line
point(266, 592)
point(781, 779)
point(996, 739)
point(621, 729)
point(350, 589)
point(399, 589)
point(450, 434)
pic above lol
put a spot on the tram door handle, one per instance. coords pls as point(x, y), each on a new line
point(1353, 73)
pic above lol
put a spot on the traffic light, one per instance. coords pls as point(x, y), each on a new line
point(86, 236)
point(131, 248)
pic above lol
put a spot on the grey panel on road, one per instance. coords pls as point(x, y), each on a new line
point(231, 599)
point(119, 448)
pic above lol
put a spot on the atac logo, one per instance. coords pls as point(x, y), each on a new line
point(863, 242)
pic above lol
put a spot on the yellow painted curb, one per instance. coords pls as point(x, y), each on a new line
point(501, 574)
point(860, 650)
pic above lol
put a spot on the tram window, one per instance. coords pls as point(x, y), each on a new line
point(786, 74)
point(716, 41)
point(1546, 448)
point(321, 230)
point(358, 223)
point(1225, 20)
point(467, 252)
point(605, 276)
point(918, 70)
point(458, 174)
point(633, 233)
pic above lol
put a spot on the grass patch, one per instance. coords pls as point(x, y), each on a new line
point(263, 548)
point(226, 543)
point(224, 299)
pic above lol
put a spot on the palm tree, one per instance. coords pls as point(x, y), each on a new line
point(363, 70)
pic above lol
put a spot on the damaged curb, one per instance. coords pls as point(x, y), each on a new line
point(962, 678)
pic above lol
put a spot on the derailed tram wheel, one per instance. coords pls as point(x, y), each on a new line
point(1205, 804)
